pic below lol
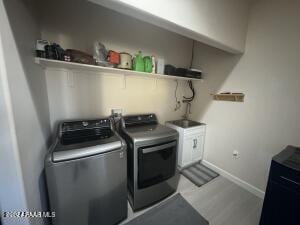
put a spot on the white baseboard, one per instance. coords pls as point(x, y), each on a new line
point(254, 190)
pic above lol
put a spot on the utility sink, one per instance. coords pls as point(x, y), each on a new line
point(184, 123)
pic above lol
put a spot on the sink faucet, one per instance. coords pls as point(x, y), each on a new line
point(187, 110)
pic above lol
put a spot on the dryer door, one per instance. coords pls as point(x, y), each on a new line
point(156, 163)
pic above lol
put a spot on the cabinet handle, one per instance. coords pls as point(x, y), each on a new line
point(195, 143)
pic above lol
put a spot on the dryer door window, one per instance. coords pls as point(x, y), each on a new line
point(156, 163)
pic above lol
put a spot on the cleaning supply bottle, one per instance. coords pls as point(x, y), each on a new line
point(148, 64)
point(138, 62)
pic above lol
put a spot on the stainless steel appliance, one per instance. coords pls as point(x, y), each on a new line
point(282, 198)
point(86, 174)
point(151, 159)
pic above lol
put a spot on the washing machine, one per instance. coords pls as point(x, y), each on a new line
point(86, 173)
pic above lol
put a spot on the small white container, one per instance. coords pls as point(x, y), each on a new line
point(153, 64)
point(160, 66)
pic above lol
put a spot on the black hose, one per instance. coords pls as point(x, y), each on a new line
point(190, 99)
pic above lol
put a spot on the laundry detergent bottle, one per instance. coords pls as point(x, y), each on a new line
point(138, 62)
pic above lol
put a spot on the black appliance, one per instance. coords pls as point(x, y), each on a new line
point(182, 72)
point(282, 200)
point(151, 159)
point(169, 69)
point(54, 51)
point(86, 172)
point(193, 73)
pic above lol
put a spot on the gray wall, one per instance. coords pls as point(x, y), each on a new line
point(12, 193)
point(87, 22)
point(222, 24)
point(268, 73)
point(28, 93)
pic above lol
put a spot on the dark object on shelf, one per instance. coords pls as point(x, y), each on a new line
point(180, 72)
point(281, 203)
point(40, 54)
point(79, 56)
point(54, 51)
point(113, 57)
point(40, 48)
point(193, 73)
point(169, 69)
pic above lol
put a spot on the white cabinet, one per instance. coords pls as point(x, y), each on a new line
point(187, 145)
point(191, 143)
point(197, 148)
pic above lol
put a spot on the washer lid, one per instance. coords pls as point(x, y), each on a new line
point(86, 149)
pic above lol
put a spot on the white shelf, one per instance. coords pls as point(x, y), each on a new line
point(49, 63)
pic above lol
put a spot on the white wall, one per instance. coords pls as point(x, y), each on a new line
point(259, 128)
point(27, 90)
point(268, 73)
point(87, 22)
point(222, 24)
point(92, 95)
point(12, 191)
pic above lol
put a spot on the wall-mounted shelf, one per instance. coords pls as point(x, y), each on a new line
point(232, 97)
point(49, 63)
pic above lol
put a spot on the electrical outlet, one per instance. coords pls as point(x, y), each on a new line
point(116, 112)
point(235, 154)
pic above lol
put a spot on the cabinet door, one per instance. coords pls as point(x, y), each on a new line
point(281, 206)
point(197, 148)
point(187, 149)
